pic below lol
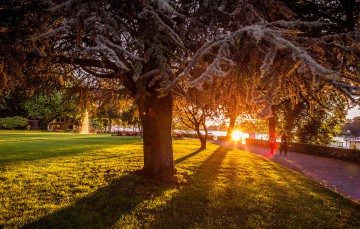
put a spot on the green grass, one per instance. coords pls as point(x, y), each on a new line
point(63, 180)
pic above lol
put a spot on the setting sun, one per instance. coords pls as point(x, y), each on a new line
point(236, 135)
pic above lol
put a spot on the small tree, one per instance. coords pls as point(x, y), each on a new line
point(193, 116)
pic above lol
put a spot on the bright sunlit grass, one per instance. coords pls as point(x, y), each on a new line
point(57, 180)
point(236, 135)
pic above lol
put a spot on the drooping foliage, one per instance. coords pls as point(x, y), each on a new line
point(343, 15)
point(23, 67)
point(316, 115)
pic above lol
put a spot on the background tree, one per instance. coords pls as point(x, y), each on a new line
point(49, 107)
point(195, 110)
point(353, 126)
point(319, 128)
point(12, 104)
point(254, 126)
point(234, 98)
point(313, 123)
point(130, 117)
point(110, 103)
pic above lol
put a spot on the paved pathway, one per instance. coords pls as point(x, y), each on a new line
point(342, 177)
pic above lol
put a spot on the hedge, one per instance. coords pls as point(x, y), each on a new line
point(350, 155)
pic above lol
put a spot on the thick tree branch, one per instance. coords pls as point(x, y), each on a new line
point(99, 75)
point(87, 62)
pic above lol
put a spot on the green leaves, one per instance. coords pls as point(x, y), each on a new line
point(48, 107)
point(15, 122)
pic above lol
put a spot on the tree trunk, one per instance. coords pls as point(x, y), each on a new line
point(231, 126)
point(110, 125)
point(203, 143)
point(156, 118)
point(201, 137)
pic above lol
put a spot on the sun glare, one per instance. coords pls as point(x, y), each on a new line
point(236, 135)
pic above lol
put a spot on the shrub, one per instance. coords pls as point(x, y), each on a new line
point(15, 122)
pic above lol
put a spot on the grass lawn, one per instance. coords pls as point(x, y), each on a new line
point(64, 180)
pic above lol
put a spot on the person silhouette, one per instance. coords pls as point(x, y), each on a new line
point(283, 146)
point(272, 142)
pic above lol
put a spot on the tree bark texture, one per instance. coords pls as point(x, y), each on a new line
point(203, 143)
point(202, 138)
point(156, 118)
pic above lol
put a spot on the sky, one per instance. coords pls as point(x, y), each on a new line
point(353, 112)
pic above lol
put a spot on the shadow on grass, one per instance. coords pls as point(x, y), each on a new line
point(104, 207)
point(187, 156)
point(217, 196)
point(187, 210)
point(231, 191)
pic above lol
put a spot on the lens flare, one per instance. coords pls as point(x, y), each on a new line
point(236, 135)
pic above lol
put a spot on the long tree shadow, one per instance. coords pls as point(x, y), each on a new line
point(104, 207)
point(241, 193)
point(187, 156)
point(187, 209)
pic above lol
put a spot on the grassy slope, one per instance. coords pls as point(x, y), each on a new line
point(87, 181)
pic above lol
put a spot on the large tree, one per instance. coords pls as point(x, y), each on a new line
point(321, 106)
point(152, 48)
point(337, 17)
